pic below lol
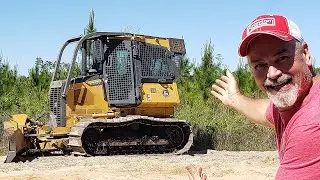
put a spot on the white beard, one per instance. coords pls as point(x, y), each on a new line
point(283, 100)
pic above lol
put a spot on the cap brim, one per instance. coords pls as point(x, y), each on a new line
point(243, 47)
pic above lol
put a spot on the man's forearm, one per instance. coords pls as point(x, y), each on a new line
point(253, 109)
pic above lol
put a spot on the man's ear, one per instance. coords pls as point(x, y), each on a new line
point(307, 54)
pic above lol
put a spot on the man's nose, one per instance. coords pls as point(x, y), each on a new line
point(273, 73)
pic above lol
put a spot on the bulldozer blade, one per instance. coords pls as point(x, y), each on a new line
point(11, 156)
point(13, 131)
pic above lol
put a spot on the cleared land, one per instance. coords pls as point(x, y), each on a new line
point(216, 164)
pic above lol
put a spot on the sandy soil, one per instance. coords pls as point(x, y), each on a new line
point(216, 164)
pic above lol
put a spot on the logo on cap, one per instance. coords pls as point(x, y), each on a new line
point(260, 23)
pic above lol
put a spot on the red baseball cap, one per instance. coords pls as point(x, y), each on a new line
point(275, 25)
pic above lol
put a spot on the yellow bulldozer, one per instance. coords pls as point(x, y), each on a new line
point(122, 102)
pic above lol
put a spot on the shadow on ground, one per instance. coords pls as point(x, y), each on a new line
point(204, 139)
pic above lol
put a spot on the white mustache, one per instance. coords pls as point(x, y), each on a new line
point(284, 78)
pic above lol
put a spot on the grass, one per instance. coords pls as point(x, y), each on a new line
point(218, 127)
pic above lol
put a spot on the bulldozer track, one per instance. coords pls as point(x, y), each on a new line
point(179, 134)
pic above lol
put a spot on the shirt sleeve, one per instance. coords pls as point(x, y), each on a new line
point(300, 158)
point(269, 113)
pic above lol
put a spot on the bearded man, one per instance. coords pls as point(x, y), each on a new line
point(281, 64)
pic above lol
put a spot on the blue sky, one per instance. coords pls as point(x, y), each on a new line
point(31, 29)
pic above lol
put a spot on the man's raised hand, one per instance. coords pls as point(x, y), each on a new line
point(226, 89)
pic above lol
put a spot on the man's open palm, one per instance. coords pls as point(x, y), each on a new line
point(226, 89)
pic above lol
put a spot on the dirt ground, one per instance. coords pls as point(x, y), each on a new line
point(216, 164)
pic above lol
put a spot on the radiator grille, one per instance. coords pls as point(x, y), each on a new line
point(55, 103)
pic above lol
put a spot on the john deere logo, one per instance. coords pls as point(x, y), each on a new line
point(165, 93)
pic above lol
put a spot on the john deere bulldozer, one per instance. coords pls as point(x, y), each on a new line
point(122, 102)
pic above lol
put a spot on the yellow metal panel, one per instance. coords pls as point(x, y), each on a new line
point(81, 95)
point(44, 129)
point(17, 122)
point(61, 131)
point(71, 121)
point(93, 111)
point(155, 112)
point(20, 119)
point(79, 111)
point(161, 42)
point(86, 98)
point(160, 95)
point(172, 44)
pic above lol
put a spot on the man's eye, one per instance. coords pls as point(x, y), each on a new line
point(283, 58)
point(260, 66)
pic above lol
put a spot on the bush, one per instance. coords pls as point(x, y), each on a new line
point(221, 128)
